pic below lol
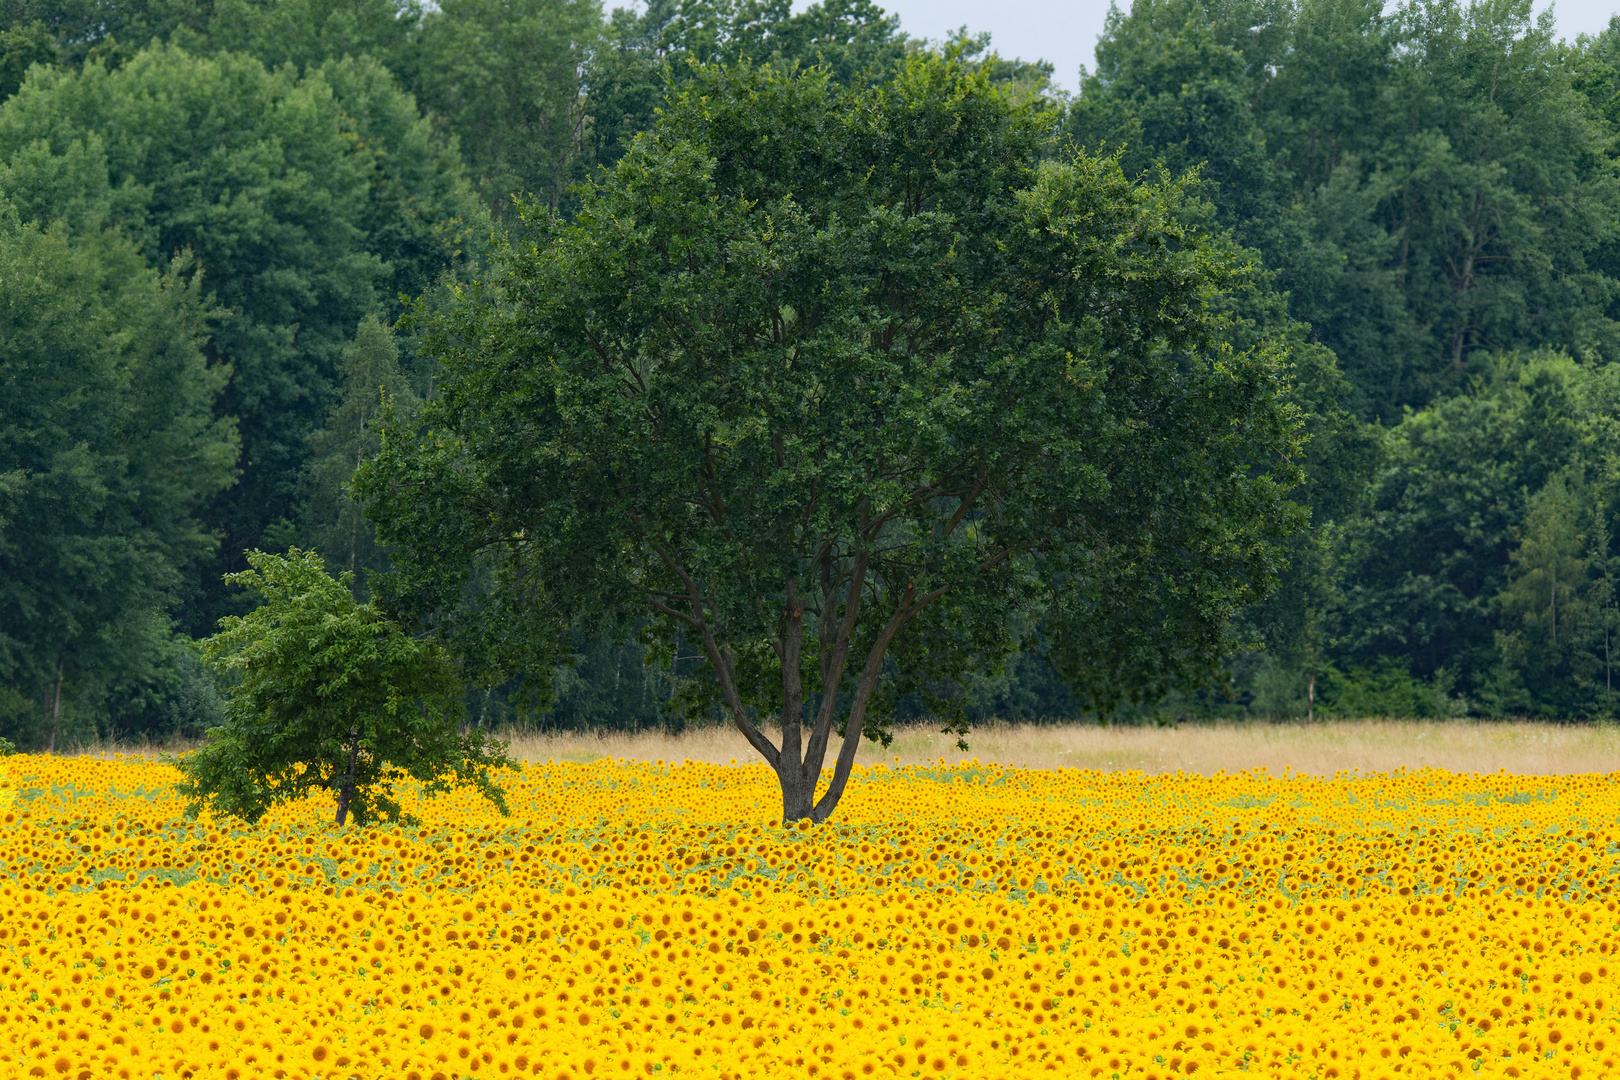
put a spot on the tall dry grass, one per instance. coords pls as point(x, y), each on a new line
point(1317, 749)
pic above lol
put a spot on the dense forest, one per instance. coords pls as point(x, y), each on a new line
point(222, 223)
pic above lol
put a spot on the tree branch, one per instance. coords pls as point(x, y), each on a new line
point(832, 671)
point(667, 610)
point(979, 484)
point(870, 675)
point(720, 661)
point(792, 679)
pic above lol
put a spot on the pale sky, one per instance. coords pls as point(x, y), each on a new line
point(1065, 32)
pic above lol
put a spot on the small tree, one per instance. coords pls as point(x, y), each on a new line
point(333, 695)
point(1550, 579)
point(838, 384)
point(330, 518)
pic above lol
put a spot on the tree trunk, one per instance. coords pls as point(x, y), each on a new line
point(346, 789)
point(1555, 602)
point(798, 776)
point(798, 779)
point(798, 794)
point(56, 705)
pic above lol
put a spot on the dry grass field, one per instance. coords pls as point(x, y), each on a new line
point(1316, 749)
point(1321, 749)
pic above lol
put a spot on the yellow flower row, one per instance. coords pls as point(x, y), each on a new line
point(650, 920)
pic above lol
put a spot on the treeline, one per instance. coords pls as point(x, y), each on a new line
point(213, 215)
point(1432, 192)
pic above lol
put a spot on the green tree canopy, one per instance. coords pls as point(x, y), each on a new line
point(831, 382)
point(21, 47)
point(1433, 184)
point(305, 33)
point(307, 200)
point(332, 695)
point(508, 78)
point(1549, 576)
point(1484, 557)
point(645, 51)
point(299, 32)
point(109, 448)
point(329, 519)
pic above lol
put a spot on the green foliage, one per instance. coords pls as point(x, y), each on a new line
point(21, 47)
point(609, 686)
point(329, 694)
point(1557, 609)
point(1549, 576)
point(1431, 184)
point(506, 78)
point(307, 200)
point(826, 379)
point(1417, 207)
point(81, 30)
point(1386, 689)
point(109, 447)
point(329, 519)
point(307, 33)
point(540, 92)
point(646, 53)
point(299, 32)
point(1486, 551)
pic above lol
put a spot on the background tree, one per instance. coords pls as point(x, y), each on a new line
point(1601, 595)
point(329, 519)
point(306, 33)
point(109, 448)
point(1549, 579)
point(508, 78)
point(1422, 180)
point(832, 382)
point(1556, 619)
point(647, 51)
point(1424, 566)
point(84, 29)
point(307, 200)
point(329, 694)
point(1460, 542)
point(1500, 197)
point(21, 47)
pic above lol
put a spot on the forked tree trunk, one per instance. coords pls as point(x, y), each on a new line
point(798, 796)
point(797, 765)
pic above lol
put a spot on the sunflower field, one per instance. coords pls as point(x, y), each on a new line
point(651, 919)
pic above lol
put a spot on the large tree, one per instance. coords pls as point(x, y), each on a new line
point(108, 449)
point(831, 382)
